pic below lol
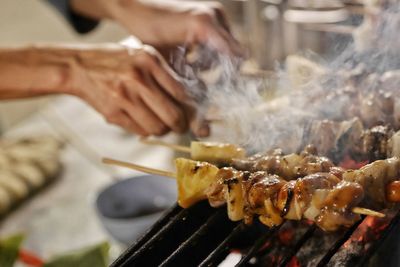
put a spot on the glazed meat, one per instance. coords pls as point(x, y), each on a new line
point(375, 142)
point(374, 178)
point(338, 204)
point(288, 166)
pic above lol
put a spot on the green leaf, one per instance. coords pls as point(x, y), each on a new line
point(9, 250)
point(94, 256)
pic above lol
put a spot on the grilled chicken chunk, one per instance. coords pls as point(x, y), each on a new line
point(288, 166)
point(338, 204)
point(374, 178)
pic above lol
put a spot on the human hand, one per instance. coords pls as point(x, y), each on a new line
point(133, 88)
point(163, 23)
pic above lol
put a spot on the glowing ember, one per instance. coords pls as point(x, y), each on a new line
point(294, 262)
point(286, 236)
point(369, 230)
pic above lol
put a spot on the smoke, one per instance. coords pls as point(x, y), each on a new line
point(361, 81)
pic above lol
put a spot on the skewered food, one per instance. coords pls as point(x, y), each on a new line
point(215, 152)
point(327, 198)
point(234, 195)
point(334, 139)
point(317, 197)
point(324, 198)
point(374, 178)
point(336, 211)
point(193, 179)
point(262, 186)
point(375, 142)
point(288, 166)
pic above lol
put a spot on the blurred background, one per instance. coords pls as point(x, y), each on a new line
point(63, 216)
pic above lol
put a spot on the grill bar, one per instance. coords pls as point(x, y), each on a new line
point(332, 250)
point(307, 235)
point(195, 239)
point(222, 250)
point(171, 212)
point(257, 246)
point(164, 242)
point(204, 236)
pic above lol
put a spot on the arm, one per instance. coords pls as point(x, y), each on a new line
point(132, 88)
point(31, 71)
point(166, 23)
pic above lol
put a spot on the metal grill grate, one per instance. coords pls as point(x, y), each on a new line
point(204, 236)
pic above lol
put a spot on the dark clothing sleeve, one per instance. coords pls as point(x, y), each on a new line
point(80, 23)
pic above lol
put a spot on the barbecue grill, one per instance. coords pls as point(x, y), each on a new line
point(204, 236)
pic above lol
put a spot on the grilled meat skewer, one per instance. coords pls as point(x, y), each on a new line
point(213, 152)
point(289, 166)
point(324, 198)
point(319, 197)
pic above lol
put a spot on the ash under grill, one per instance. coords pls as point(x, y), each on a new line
point(204, 236)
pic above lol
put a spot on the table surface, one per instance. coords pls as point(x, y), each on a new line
point(62, 217)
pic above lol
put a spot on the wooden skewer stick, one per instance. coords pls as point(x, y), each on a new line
point(368, 212)
point(358, 210)
point(162, 143)
point(138, 167)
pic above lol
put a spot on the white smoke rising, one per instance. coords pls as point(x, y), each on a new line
point(355, 83)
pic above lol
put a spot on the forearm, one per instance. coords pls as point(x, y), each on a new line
point(44, 69)
point(56, 69)
point(31, 71)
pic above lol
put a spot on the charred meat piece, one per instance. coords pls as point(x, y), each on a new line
point(323, 134)
point(375, 142)
point(337, 207)
point(306, 187)
point(288, 166)
point(376, 108)
point(374, 178)
point(260, 187)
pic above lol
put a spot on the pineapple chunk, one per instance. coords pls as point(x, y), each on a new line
point(193, 179)
point(215, 152)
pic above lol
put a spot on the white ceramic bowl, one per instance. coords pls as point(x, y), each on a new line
point(129, 207)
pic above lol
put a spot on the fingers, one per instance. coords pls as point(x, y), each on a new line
point(140, 112)
point(174, 112)
point(165, 108)
point(198, 125)
point(212, 29)
point(234, 46)
point(123, 120)
point(200, 128)
point(167, 79)
point(222, 18)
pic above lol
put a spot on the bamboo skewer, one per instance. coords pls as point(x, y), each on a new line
point(136, 167)
point(184, 149)
point(357, 210)
point(365, 211)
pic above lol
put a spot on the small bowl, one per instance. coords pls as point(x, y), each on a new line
point(129, 207)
